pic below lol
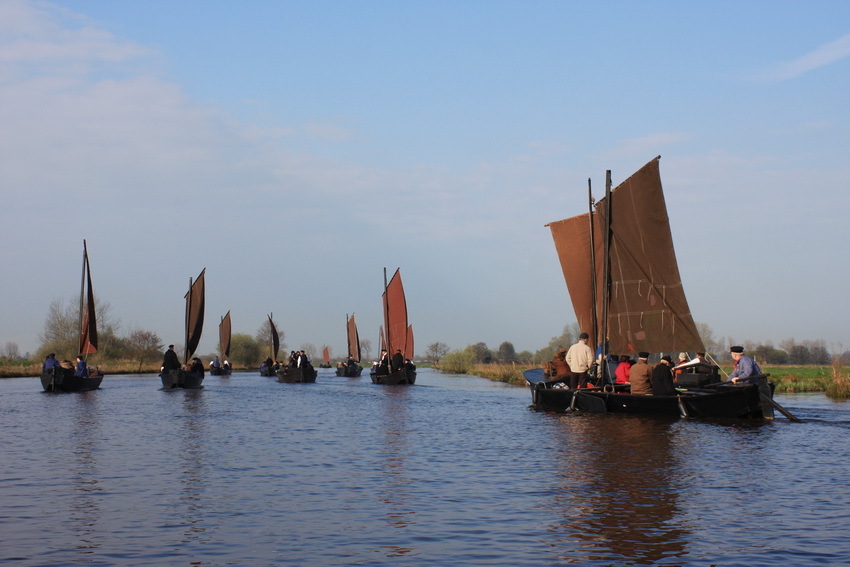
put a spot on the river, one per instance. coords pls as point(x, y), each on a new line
point(455, 470)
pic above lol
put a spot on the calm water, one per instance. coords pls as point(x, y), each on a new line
point(453, 471)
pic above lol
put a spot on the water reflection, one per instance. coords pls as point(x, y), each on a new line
point(618, 497)
point(395, 480)
point(85, 513)
point(192, 464)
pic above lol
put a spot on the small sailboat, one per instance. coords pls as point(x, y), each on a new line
point(326, 358)
point(269, 366)
point(351, 368)
point(59, 379)
point(623, 279)
point(186, 377)
point(224, 330)
point(396, 333)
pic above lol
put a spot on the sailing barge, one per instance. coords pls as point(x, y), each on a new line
point(351, 368)
point(396, 336)
point(620, 268)
point(182, 377)
point(59, 379)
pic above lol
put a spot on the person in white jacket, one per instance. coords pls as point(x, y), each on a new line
point(579, 359)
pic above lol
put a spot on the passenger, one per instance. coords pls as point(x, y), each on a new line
point(383, 365)
point(50, 362)
point(398, 361)
point(621, 375)
point(409, 366)
point(216, 363)
point(579, 359)
point(745, 367)
point(170, 360)
point(197, 367)
point(558, 369)
point(662, 378)
point(640, 376)
point(683, 357)
point(82, 370)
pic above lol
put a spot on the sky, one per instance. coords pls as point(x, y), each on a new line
point(295, 149)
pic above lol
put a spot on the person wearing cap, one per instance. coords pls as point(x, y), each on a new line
point(640, 376)
point(579, 359)
point(745, 367)
point(662, 378)
point(170, 360)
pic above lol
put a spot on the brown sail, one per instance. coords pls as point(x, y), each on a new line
point(408, 347)
point(194, 316)
point(353, 338)
point(326, 357)
point(88, 327)
point(275, 339)
point(646, 306)
point(224, 332)
point(395, 315)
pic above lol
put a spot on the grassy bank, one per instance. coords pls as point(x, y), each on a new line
point(833, 380)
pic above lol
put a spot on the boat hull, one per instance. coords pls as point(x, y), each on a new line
point(63, 380)
point(267, 372)
point(220, 371)
point(397, 378)
point(349, 372)
point(734, 401)
point(181, 379)
point(297, 375)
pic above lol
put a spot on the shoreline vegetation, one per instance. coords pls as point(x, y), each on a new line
point(833, 381)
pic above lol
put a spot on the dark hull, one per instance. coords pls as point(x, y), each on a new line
point(220, 371)
point(324, 366)
point(63, 380)
point(180, 379)
point(349, 372)
point(399, 377)
point(297, 375)
point(735, 401)
point(267, 372)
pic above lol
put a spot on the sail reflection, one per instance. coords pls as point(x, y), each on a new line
point(193, 462)
point(86, 435)
point(394, 491)
point(618, 499)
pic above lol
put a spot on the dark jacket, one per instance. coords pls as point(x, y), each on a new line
point(662, 381)
point(170, 361)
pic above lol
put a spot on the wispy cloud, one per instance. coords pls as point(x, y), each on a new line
point(820, 57)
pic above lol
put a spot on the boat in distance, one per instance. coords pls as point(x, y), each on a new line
point(61, 379)
point(184, 377)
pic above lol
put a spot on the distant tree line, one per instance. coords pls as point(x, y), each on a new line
point(61, 332)
point(790, 352)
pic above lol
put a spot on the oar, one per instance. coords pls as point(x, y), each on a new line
point(781, 409)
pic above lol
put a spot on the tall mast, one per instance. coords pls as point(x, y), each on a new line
point(82, 294)
point(606, 276)
point(386, 315)
point(594, 331)
point(188, 312)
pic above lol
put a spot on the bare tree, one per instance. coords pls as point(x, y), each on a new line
point(310, 350)
point(365, 348)
point(11, 351)
point(264, 337)
point(144, 346)
point(436, 351)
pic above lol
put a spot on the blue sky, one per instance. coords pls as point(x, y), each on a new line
point(295, 149)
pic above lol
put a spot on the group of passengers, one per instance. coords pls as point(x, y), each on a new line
point(80, 369)
point(576, 364)
point(387, 365)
